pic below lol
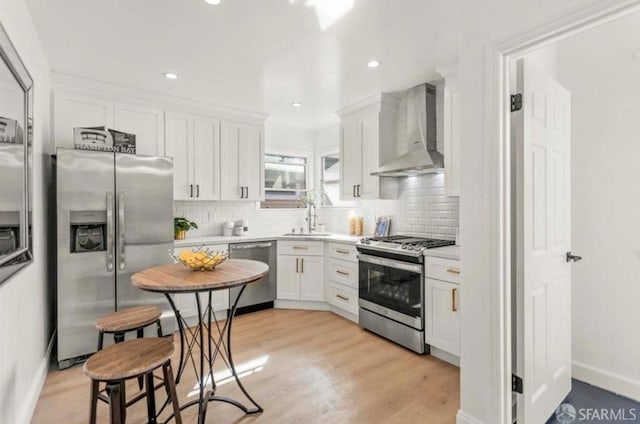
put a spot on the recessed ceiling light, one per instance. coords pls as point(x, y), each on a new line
point(170, 75)
point(296, 104)
point(213, 2)
point(373, 63)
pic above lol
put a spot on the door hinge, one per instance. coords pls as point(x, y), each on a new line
point(516, 102)
point(516, 383)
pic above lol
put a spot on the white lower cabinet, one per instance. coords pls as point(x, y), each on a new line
point(300, 277)
point(342, 277)
point(442, 306)
point(186, 303)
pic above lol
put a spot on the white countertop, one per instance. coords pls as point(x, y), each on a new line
point(447, 252)
point(197, 241)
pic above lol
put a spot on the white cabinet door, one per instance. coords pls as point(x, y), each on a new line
point(230, 154)
point(180, 146)
point(73, 110)
point(369, 123)
point(442, 302)
point(146, 123)
point(252, 162)
point(350, 156)
point(312, 278)
point(207, 158)
point(288, 277)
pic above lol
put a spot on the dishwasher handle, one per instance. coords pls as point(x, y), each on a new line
point(250, 246)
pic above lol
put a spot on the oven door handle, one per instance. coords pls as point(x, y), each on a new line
point(417, 268)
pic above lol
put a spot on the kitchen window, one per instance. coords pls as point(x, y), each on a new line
point(286, 180)
point(330, 181)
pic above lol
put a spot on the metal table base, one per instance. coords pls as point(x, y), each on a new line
point(218, 345)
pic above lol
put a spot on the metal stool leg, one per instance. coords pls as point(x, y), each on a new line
point(115, 403)
point(140, 334)
point(170, 387)
point(118, 337)
point(95, 387)
point(100, 340)
point(159, 325)
point(151, 399)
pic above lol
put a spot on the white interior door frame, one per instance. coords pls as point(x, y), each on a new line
point(498, 61)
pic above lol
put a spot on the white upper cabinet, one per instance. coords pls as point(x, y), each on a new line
point(452, 129)
point(180, 145)
point(242, 161)
point(206, 132)
point(146, 123)
point(367, 141)
point(194, 144)
point(74, 110)
point(350, 156)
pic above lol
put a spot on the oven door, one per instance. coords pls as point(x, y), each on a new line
point(392, 288)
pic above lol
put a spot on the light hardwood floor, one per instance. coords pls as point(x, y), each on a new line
point(310, 367)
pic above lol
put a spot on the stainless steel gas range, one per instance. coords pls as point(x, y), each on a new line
point(391, 287)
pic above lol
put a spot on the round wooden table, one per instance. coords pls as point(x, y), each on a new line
point(177, 278)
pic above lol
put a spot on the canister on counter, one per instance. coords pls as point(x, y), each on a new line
point(352, 225)
point(359, 225)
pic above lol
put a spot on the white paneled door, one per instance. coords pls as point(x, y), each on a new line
point(541, 131)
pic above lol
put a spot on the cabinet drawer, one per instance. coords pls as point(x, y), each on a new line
point(442, 269)
point(345, 252)
point(301, 248)
point(344, 297)
point(343, 272)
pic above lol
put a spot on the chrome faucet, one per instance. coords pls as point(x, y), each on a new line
point(311, 218)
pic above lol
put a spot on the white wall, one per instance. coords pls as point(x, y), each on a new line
point(25, 298)
point(485, 25)
point(602, 76)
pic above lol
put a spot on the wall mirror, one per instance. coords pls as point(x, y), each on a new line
point(16, 132)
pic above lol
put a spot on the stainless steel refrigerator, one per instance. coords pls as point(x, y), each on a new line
point(114, 217)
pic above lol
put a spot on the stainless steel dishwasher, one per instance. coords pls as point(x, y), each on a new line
point(261, 294)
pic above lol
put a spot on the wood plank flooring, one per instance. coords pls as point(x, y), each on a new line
point(308, 367)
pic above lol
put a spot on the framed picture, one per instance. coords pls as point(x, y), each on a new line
point(382, 226)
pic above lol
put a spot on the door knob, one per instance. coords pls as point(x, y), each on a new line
point(573, 258)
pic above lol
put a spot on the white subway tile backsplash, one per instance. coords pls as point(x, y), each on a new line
point(421, 208)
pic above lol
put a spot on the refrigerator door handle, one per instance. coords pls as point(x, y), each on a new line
point(121, 232)
point(109, 231)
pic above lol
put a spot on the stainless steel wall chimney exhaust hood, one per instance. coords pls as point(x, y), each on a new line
point(421, 130)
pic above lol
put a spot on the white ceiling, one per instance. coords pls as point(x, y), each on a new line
point(256, 55)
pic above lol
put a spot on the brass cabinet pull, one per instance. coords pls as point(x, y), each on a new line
point(297, 259)
point(344, 252)
point(302, 265)
point(341, 297)
point(301, 247)
point(342, 272)
point(454, 308)
point(453, 271)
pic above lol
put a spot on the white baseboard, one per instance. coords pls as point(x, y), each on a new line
point(344, 314)
point(607, 380)
point(301, 304)
point(464, 418)
point(31, 398)
point(445, 356)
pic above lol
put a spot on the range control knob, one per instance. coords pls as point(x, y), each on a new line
point(404, 246)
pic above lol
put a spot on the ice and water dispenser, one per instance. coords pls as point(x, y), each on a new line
point(88, 231)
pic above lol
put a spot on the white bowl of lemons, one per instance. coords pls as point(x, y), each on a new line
point(201, 259)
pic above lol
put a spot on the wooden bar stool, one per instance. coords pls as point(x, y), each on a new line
point(131, 359)
point(130, 319)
